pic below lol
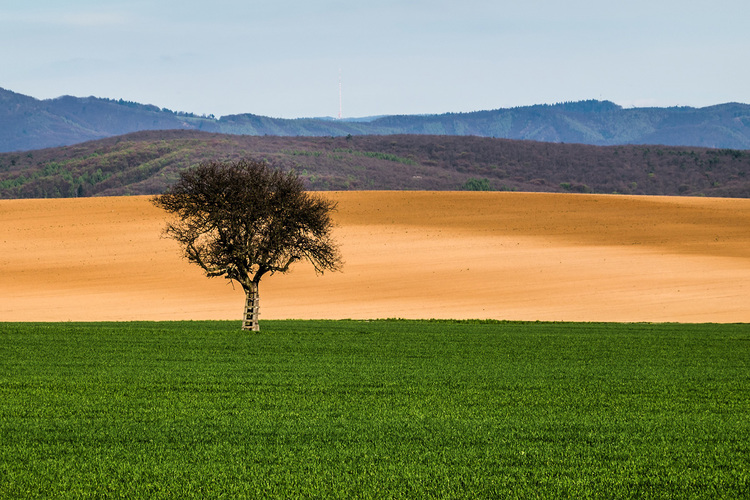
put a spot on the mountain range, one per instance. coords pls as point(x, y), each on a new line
point(27, 123)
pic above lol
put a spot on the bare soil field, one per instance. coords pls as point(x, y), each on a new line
point(515, 256)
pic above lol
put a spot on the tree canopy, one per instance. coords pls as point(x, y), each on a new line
point(243, 219)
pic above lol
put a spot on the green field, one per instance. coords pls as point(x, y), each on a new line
point(381, 409)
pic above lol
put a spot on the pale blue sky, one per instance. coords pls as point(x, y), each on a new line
point(283, 58)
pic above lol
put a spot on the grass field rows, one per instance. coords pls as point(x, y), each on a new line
point(380, 409)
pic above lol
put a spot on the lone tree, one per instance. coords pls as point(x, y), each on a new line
point(244, 219)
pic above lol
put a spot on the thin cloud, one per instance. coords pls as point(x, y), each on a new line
point(68, 19)
point(93, 19)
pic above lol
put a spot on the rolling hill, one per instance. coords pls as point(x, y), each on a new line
point(147, 162)
point(27, 123)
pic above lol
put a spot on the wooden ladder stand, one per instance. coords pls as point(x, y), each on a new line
point(252, 308)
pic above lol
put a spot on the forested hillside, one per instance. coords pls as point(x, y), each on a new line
point(147, 162)
point(27, 123)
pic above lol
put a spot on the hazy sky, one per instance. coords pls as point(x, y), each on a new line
point(283, 58)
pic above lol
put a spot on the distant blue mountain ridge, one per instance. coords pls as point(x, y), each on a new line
point(27, 123)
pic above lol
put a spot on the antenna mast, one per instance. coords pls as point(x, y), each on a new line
point(339, 93)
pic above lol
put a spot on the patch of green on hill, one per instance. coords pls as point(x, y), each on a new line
point(380, 409)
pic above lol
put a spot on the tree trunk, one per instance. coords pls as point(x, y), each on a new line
point(252, 301)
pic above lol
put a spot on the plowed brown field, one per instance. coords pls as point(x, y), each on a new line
point(513, 256)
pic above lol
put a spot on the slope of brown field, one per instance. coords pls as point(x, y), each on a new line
point(407, 254)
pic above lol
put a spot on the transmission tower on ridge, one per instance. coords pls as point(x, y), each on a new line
point(339, 94)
